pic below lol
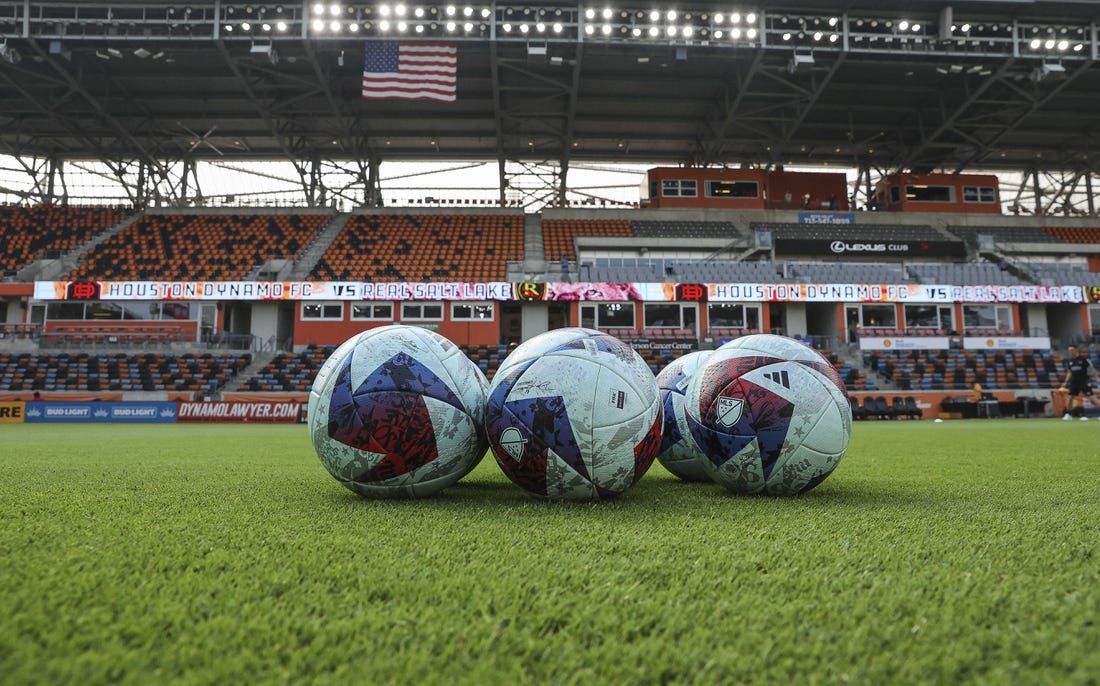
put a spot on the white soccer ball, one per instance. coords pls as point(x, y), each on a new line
point(574, 414)
point(679, 453)
point(397, 411)
point(770, 414)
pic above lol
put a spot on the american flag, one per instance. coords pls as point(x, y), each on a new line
point(409, 70)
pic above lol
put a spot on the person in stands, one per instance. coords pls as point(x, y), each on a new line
point(1078, 383)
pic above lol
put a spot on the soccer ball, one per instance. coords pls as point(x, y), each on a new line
point(574, 414)
point(679, 454)
point(397, 411)
point(770, 414)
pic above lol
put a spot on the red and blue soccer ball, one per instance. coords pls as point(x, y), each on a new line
point(769, 414)
point(679, 453)
point(574, 414)
point(397, 411)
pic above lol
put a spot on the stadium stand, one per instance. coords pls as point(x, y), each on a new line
point(197, 246)
point(1074, 234)
point(617, 270)
point(1056, 273)
point(295, 372)
point(938, 370)
point(559, 234)
point(963, 274)
point(684, 229)
point(1004, 234)
point(82, 371)
point(423, 248)
point(844, 232)
point(719, 271)
point(29, 233)
point(846, 272)
point(288, 372)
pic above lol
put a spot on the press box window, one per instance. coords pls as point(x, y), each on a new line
point(929, 193)
point(679, 188)
point(427, 311)
point(464, 312)
point(322, 310)
point(373, 311)
point(733, 189)
point(982, 194)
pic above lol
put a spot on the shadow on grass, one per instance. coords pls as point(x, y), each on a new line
point(655, 495)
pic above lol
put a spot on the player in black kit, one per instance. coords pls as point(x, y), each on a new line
point(1078, 383)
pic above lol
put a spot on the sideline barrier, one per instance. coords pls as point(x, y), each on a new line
point(156, 412)
point(11, 411)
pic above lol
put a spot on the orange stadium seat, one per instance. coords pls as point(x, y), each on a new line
point(558, 234)
point(29, 233)
point(216, 247)
point(423, 248)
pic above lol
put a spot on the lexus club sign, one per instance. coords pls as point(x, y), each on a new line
point(868, 248)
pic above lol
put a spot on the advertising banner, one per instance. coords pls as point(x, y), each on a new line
point(271, 412)
point(826, 218)
point(11, 412)
point(557, 291)
point(905, 343)
point(1006, 343)
point(101, 412)
point(854, 248)
point(270, 290)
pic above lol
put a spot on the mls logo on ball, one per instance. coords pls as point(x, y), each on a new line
point(729, 410)
point(513, 441)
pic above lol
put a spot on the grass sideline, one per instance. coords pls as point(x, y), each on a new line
point(962, 552)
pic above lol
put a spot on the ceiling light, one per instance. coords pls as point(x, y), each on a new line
point(750, 17)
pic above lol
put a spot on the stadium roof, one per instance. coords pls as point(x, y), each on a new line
point(976, 84)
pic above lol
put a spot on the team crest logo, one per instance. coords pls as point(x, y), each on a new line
point(729, 410)
point(529, 290)
point(513, 441)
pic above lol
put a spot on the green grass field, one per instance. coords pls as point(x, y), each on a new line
point(962, 552)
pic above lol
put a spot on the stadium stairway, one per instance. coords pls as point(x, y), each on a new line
point(534, 253)
point(46, 270)
point(259, 361)
point(317, 247)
